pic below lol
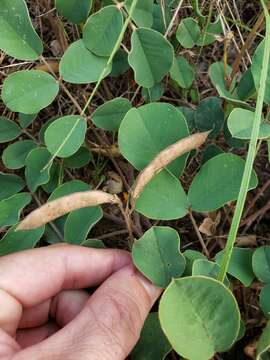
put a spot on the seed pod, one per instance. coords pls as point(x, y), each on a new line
point(165, 157)
point(59, 207)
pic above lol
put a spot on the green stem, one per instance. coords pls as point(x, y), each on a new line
point(115, 49)
point(250, 156)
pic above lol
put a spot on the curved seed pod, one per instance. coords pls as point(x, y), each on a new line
point(59, 207)
point(165, 157)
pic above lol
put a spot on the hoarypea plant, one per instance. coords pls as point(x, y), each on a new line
point(198, 313)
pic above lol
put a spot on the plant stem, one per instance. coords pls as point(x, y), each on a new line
point(115, 49)
point(250, 156)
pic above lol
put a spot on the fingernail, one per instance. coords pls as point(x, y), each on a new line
point(152, 290)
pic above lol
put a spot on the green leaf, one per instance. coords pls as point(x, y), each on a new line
point(109, 115)
point(151, 56)
point(207, 268)
point(191, 256)
point(15, 154)
point(210, 33)
point(163, 198)
point(102, 30)
point(10, 185)
point(157, 255)
point(154, 93)
point(80, 66)
point(75, 11)
point(182, 72)
point(14, 241)
point(68, 188)
point(264, 300)
point(147, 130)
point(240, 124)
point(10, 209)
point(199, 316)
point(29, 91)
point(161, 18)
point(261, 263)
point(120, 63)
point(18, 36)
point(242, 330)
point(56, 174)
point(264, 344)
point(143, 13)
point(80, 222)
point(65, 135)
point(35, 173)
point(188, 33)
point(209, 116)
point(210, 152)
point(256, 68)
point(246, 88)
point(9, 130)
point(153, 344)
point(80, 159)
point(189, 115)
point(93, 243)
point(26, 119)
point(77, 223)
point(240, 265)
point(220, 179)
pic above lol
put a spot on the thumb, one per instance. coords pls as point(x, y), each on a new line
point(109, 325)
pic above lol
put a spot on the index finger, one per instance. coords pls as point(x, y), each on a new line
point(34, 276)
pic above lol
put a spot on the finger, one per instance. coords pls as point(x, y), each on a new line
point(34, 276)
point(62, 308)
point(31, 277)
point(29, 337)
point(109, 325)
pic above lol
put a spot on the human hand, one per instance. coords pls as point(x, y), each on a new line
point(44, 314)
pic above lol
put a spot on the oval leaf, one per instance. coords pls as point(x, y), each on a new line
point(151, 56)
point(143, 13)
point(14, 155)
point(81, 158)
point(261, 263)
point(199, 316)
point(102, 30)
point(74, 10)
point(240, 123)
point(240, 265)
point(153, 344)
point(182, 72)
point(37, 172)
point(10, 185)
point(220, 178)
point(110, 115)
point(163, 198)
point(81, 66)
point(9, 130)
point(256, 68)
point(207, 268)
point(157, 255)
point(18, 36)
point(29, 91)
point(264, 300)
point(188, 33)
point(147, 130)
point(11, 208)
point(14, 241)
point(64, 136)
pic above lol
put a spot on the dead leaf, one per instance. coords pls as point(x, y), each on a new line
point(114, 185)
point(246, 240)
point(209, 224)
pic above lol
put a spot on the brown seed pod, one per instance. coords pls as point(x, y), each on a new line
point(59, 207)
point(165, 157)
